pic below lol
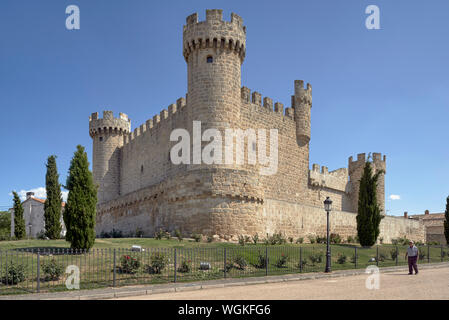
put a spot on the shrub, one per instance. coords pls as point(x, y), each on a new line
point(312, 239)
point(247, 239)
point(422, 254)
point(382, 257)
point(117, 233)
point(139, 233)
point(301, 265)
point(167, 235)
point(158, 235)
point(354, 258)
point(129, 264)
point(255, 238)
point(105, 234)
point(350, 239)
point(290, 239)
point(300, 240)
point(381, 240)
point(41, 235)
point(393, 254)
point(335, 238)
point(282, 261)
point(197, 237)
point(261, 261)
point(157, 263)
point(185, 267)
point(342, 259)
point(52, 270)
point(210, 238)
point(316, 258)
point(241, 240)
point(321, 239)
point(178, 235)
point(394, 241)
point(240, 263)
point(16, 273)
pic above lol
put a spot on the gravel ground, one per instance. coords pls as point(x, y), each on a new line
point(428, 284)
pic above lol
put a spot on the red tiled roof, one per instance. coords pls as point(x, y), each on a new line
point(43, 201)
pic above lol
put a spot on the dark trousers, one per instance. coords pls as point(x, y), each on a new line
point(412, 264)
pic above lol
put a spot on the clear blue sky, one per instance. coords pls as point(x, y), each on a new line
point(373, 90)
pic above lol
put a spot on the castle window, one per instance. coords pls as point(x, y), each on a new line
point(254, 146)
point(141, 169)
point(210, 59)
point(101, 138)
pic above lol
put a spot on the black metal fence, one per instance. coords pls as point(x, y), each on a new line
point(45, 270)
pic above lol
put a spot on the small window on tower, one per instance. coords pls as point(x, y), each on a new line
point(101, 138)
point(210, 59)
point(141, 169)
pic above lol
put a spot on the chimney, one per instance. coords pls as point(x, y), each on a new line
point(405, 215)
point(426, 212)
point(29, 195)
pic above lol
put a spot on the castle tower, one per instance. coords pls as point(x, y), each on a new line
point(214, 51)
point(355, 169)
point(302, 103)
point(107, 135)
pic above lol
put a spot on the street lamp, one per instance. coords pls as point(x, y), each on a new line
point(328, 208)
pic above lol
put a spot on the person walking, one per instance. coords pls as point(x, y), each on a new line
point(412, 254)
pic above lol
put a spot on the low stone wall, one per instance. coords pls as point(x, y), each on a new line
point(229, 217)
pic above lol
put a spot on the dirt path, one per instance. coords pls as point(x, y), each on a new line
point(428, 284)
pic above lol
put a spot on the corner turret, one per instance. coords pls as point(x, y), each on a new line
point(355, 170)
point(108, 136)
point(302, 103)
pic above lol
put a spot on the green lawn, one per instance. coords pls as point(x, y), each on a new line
point(97, 265)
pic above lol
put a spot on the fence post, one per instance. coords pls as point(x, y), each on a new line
point(397, 254)
point(377, 255)
point(266, 261)
point(428, 253)
point(38, 285)
point(300, 259)
point(441, 253)
point(355, 257)
point(115, 271)
point(175, 262)
point(224, 262)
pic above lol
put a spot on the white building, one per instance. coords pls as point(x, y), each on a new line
point(33, 213)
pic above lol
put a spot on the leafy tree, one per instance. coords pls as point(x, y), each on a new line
point(446, 221)
point(19, 221)
point(5, 222)
point(368, 214)
point(80, 209)
point(53, 203)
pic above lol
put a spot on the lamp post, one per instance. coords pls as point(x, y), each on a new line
point(328, 208)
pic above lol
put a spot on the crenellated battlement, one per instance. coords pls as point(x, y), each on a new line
point(266, 103)
point(303, 95)
point(152, 126)
point(336, 180)
point(108, 124)
point(378, 160)
point(214, 33)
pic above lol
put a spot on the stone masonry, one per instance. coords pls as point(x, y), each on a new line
point(140, 187)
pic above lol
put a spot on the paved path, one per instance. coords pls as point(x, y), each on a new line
point(428, 284)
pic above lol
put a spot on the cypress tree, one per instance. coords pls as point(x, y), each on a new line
point(368, 213)
point(80, 209)
point(19, 221)
point(53, 203)
point(446, 221)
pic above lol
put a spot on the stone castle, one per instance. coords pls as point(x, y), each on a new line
point(141, 188)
